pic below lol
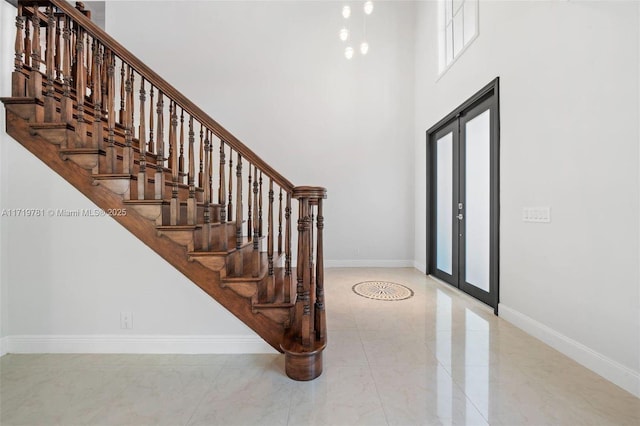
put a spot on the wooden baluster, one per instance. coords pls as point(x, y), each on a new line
point(142, 145)
point(103, 79)
point(211, 170)
point(320, 315)
point(239, 202)
point(73, 27)
point(260, 209)
point(175, 172)
point(74, 58)
point(81, 126)
point(312, 283)
point(49, 100)
point(88, 66)
point(191, 202)
point(111, 115)
point(48, 47)
point(35, 40)
point(151, 112)
point(230, 201)
point(27, 40)
point(280, 222)
point(34, 85)
point(303, 309)
point(127, 152)
point(249, 208)
point(170, 158)
point(311, 266)
point(201, 157)
point(94, 85)
point(207, 191)
point(287, 236)
point(97, 132)
point(181, 159)
point(58, 52)
point(131, 109)
point(66, 104)
point(18, 80)
point(287, 249)
point(221, 189)
point(271, 282)
point(159, 180)
point(205, 174)
point(122, 95)
point(256, 234)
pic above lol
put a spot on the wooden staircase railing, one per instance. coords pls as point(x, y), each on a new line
point(145, 141)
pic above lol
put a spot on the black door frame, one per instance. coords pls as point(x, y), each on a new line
point(488, 94)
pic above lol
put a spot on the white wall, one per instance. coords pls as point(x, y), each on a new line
point(7, 17)
point(274, 74)
point(569, 110)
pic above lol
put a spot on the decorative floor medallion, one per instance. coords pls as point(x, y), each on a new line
point(382, 290)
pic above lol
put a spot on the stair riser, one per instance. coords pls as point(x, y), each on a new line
point(86, 161)
point(60, 137)
point(32, 113)
point(190, 240)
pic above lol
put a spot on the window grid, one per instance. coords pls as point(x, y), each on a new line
point(458, 23)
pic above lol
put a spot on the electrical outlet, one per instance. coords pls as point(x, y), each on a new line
point(126, 320)
point(536, 214)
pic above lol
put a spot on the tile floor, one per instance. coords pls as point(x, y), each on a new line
point(437, 358)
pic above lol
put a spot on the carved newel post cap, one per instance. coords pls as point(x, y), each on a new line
point(309, 192)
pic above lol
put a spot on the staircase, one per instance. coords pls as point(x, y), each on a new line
point(172, 176)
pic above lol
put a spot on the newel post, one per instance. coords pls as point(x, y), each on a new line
point(306, 339)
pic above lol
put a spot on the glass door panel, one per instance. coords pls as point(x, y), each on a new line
point(444, 203)
point(477, 203)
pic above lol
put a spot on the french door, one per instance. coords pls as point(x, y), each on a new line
point(463, 203)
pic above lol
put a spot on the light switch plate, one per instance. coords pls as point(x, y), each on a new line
point(536, 214)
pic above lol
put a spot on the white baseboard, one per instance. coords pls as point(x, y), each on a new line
point(372, 263)
point(420, 266)
point(611, 370)
point(3, 346)
point(138, 344)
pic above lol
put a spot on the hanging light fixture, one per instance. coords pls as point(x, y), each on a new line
point(348, 52)
point(368, 7)
point(346, 12)
point(364, 47)
point(344, 34)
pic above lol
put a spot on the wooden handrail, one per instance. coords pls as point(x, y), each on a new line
point(168, 90)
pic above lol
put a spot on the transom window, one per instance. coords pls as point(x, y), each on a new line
point(458, 25)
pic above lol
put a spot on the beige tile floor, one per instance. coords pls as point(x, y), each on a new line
point(437, 358)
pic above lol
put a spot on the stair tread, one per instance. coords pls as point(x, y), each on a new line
point(114, 176)
point(264, 269)
point(21, 100)
point(178, 227)
point(207, 253)
point(167, 201)
point(52, 125)
point(245, 242)
point(81, 151)
point(147, 202)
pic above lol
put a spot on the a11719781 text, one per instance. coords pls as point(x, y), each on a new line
point(37, 212)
